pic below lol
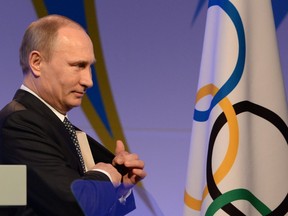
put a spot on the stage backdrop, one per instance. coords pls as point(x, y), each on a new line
point(150, 57)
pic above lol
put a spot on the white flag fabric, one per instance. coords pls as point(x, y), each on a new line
point(238, 160)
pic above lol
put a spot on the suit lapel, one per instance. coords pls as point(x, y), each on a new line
point(61, 135)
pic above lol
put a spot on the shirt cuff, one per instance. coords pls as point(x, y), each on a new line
point(123, 198)
point(109, 176)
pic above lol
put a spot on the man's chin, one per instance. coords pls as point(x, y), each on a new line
point(76, 103)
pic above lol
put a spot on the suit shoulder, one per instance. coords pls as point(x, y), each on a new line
point(16, 113)
point(13, 106)
point(10, 108)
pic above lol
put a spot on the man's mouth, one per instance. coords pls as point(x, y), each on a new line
point(79, 93)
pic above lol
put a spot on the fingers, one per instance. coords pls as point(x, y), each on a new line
point(129, 160)
point(136, 171)
point(133, 177)
point(139, 173)
point(120, 154)
point(119, 147)
point(132, 162)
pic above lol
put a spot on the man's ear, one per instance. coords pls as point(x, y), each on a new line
point(35, 60)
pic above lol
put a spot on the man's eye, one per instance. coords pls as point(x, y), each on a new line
point(82, 65)
point(79, 65)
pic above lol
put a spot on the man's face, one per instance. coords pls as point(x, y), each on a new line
point(67, 75)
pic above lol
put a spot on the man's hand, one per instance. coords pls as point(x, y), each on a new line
point(132, 162)
point(114, 175)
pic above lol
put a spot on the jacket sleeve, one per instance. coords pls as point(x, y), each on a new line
point(100, 198)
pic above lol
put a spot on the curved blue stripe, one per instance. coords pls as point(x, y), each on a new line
point(97, 101)
point(280, 10)
point(76, 11)
point(72, 9)
point(235, 77)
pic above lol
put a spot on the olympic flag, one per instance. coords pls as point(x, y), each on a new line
point(238, 162)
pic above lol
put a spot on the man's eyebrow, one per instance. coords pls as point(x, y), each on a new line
point(82, 62)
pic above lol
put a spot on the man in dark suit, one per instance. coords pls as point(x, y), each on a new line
point(56, 56)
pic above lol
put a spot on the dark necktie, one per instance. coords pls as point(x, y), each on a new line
point(73, 136)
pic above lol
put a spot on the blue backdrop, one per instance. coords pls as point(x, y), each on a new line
point(152, 52)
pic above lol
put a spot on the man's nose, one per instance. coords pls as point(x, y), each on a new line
point(86, 78)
